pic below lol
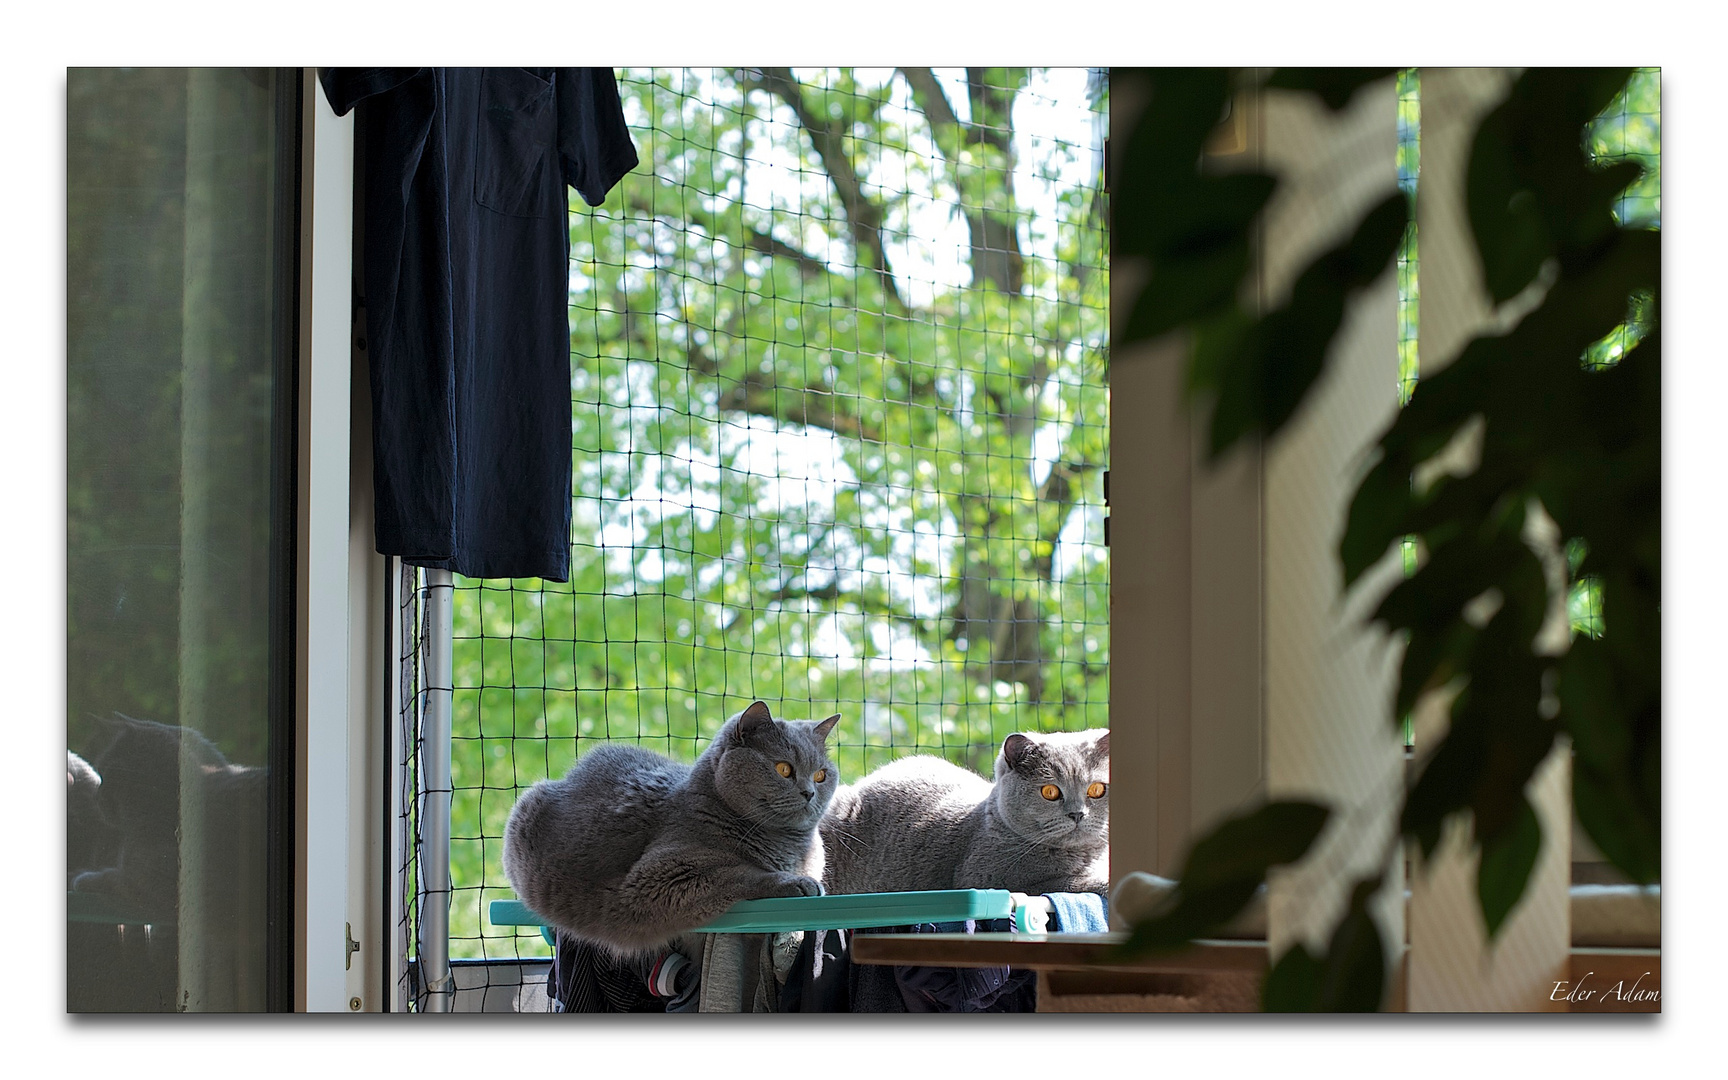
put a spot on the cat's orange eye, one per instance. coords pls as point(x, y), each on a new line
point(1051, 792)
point(783, 768)
point(1096, 790)
point(821, 775)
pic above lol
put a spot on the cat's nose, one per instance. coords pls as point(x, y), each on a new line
point(1077, 815)
point(809, 793)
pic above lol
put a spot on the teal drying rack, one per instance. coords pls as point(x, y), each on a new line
point(847, 911)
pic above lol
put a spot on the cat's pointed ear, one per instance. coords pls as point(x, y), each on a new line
point(1103, 744)
point(753, 718)
point(827, 726)
point(1016, 748)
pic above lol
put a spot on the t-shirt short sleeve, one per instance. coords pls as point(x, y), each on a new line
point(347, 87)
point(594, 144)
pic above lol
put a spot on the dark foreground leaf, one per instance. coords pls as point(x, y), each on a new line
point(1504, 871)
point(1350, 977)
point(1222, 872)
point(1335, 86)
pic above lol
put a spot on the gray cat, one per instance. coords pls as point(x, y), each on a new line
point(631, 849)
point(922, 823)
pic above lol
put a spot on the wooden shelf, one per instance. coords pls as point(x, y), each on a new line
point(1048, 952)
point(1609, 980)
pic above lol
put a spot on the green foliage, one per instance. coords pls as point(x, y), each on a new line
point(1409, 285)
point(1567, 407)
point(1223, 870)
point(1581, 440)
point(1192, 229)
point(1256, 372)
point(840, 423)
point(1630, 129)
point(1349, 977)
point(1505, 866)
point(1333, 86)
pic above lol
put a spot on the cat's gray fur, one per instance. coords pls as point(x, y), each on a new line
point(630, 849)
point(922, 823)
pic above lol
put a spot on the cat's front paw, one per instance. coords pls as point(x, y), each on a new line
point(796, 885)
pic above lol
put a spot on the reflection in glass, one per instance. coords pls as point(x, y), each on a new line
point(173, 475)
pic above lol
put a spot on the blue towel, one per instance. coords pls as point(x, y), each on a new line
point(1078, 913)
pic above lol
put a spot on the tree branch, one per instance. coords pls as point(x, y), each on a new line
point(759, 395)
point(933, 102)
point(809, 266)
point(641, 200)
point(812, 406)
point(863, 216)
point(829, 592)
point(1060, 490)
point(996, 257)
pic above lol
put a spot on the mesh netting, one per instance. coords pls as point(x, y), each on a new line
point(840, 427)
point(1409, 290)
point(840, 404)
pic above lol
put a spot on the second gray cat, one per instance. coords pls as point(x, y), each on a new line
point(922, 823)
point(630, 849)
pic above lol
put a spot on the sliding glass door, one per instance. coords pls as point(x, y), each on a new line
point(182, 205)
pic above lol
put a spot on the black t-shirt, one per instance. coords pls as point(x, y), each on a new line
point(466, 274)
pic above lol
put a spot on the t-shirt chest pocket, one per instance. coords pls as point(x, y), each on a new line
point(515, 164)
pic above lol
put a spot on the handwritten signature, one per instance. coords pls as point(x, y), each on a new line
point(1578, 992)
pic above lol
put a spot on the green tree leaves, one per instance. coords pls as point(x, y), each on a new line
point(839, 428)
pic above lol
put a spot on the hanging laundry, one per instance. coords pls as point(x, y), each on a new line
point(465, 252)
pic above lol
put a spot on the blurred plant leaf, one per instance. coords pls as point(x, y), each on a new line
point(1581, 442)
point(1222, 871)
point(1256, 386)
point(1180, 286)
point(1206, 213)
point(1615, 725)
point(1334, 86)
point(1193, 229)
point(1496, 741)
point(1293, 984)
point(1349, 977)
point(1530, 193)
point(1162, 151)
point(1505, 867)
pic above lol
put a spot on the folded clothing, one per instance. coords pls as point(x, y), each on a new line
point(1078, 913)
